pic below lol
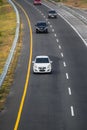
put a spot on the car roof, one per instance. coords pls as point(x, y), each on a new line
point(42, 56)
point(41, 21)
point(52, 10)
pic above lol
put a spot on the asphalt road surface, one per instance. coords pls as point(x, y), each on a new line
point(56, 101)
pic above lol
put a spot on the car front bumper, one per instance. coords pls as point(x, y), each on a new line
point(41, 70)
point(52, 16)
point(41, 30)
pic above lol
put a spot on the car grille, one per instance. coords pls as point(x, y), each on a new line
point(41, 28)
point(42, 68)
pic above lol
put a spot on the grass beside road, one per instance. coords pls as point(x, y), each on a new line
point(7, 33)
point(75, 3)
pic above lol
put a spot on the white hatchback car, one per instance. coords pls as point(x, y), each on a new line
point(42, 64)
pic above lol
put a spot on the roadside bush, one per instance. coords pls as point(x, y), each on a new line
point(1, 2)
point(60, 0)
point(0, 34)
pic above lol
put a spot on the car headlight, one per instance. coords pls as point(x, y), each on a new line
point(46, 27)
point(35, 66)
point(49, 67)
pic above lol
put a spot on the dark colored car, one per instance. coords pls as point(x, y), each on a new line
point(41, 26)
point(52, 14)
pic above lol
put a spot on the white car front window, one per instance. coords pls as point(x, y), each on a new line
point(42, 60)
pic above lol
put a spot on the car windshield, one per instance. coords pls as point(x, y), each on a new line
point(42, 60)
point(41, 24)
point(52, 12)
point(37, 0)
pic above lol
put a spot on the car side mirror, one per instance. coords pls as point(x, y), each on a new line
point(51, 62)
point(33, 62)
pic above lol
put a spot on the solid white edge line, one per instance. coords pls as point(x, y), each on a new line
point(72, 111)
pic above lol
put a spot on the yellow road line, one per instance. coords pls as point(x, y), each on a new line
point(28, 73)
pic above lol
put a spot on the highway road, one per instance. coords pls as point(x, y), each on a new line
point(56, 101)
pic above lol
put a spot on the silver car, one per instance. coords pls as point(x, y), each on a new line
point(52, 14)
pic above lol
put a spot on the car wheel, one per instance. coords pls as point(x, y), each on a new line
point(46, 30)
point(36, 31)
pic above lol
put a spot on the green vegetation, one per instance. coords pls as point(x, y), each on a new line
point(1, 2)
point(7, 33)
point(77, 3)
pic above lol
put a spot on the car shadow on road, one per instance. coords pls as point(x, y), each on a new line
point(55, 64)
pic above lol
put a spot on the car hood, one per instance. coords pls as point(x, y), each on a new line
point(41, 26)
point(42, 64)
point(52, 13)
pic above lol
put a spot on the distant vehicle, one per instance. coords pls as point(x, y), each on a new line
point(37, 2)
point(42, 64)
point(41, 26)
point(52, 14)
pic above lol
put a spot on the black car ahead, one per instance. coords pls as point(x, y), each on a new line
point(41, 26)
point(52, 14)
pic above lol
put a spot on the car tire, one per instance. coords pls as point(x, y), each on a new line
point(46, 30)
point(36, 31)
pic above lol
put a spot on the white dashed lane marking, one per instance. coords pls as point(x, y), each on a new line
point(62, 54)
point(55, 35)
point(72, 111)
point(64, 63)
point(57, 40)
point(48, 22)
point(69, 90)
point(67, 76)
point(46, 19)
point(52, 30)
point(50, 26)
point(59, 47)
